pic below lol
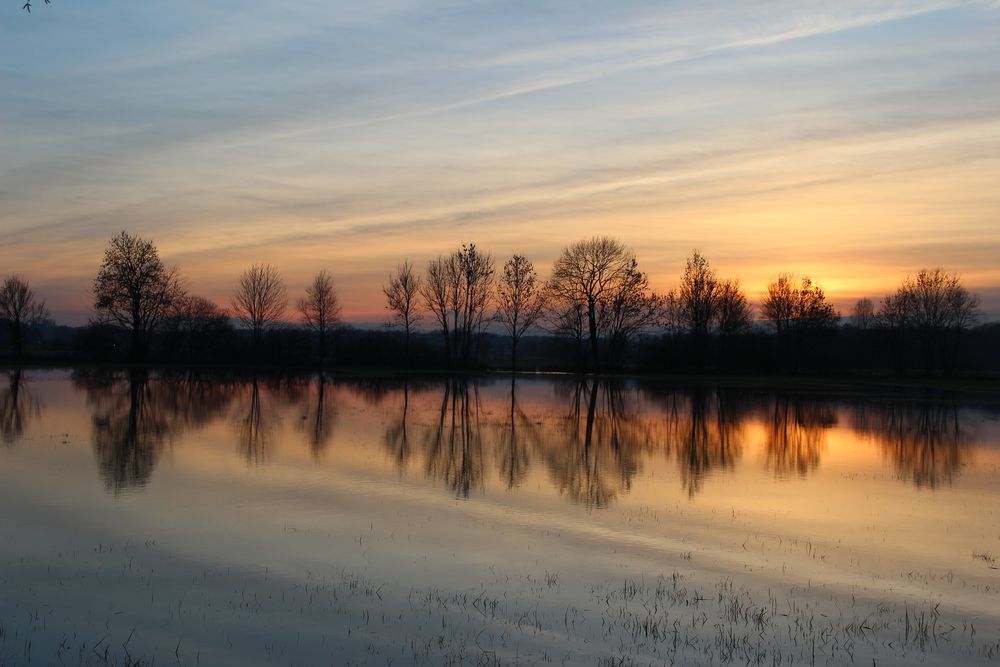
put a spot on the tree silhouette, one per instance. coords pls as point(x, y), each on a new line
point(134, 290)
point(733, 312)
point(457, 291)
point(401, 294)
point(629, 309)
point(439, 290)
point(20, 308)
point(320, 309)
point(863, 314)
point(195, 326)
point(520, 301)
point(259, 299)
point(698, 301)
point(569, 320)
point(938, 309)
point(584, 275)
point(796, 312)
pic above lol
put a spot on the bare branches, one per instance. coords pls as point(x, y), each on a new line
point(733, 312)
point(587, 274)
point(457, 292)
point(259, 299)
point(320, 308)
point(134, 289)
point(797, 312)
point(20, 308)
point(863, 314)
point(697, 294)
point(520, 300)
point(401, 294)
point(937, 309)
point(790, 307)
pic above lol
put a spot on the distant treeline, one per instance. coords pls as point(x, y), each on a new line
point(595, 312)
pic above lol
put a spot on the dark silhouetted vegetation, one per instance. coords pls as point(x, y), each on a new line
point(402, 300)
point(320, 309)
point(259, 300)
point(20, 308)
point(134, 290)
point(596, 312)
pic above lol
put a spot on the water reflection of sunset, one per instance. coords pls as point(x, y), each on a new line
point(587, 477)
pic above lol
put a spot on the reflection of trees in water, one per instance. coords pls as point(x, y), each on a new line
point(519, 436)
point(454, 447)
point(796, 434)
point(257, 415)
point(135, 416)
point(593, 440)
point(455, 444)
point(705, 430)
point(254, 427)
point(594, 453)
point(321, 416)
point(375, 390)
point(397, 434)
point(18, 408)
point(927, 443)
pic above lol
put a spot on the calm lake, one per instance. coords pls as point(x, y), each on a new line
point(234, 520)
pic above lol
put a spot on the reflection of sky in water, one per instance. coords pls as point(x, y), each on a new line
point(208, 510)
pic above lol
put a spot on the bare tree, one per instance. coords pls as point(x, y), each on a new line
point(629, 309)
point(476, 273)
point(259, 299)
point(778, 303)
point(197, 324)
point(320, 309)
point(937, 308)
point(520, 301)
point(791, 307)
point(401, 294)
point(699, 301)
point(863, 315)
point(457, 292)
point(733, 312)
point(583, 276)
point(437, 290)
point(893, 317)
point(569, 320)
point(134, 289)
point(20, 308)
point(796, 311)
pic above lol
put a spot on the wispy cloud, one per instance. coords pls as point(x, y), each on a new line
point(312, 135)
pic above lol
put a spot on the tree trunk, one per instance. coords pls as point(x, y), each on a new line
point(592, 326)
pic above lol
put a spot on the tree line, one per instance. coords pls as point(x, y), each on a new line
point(596, 311)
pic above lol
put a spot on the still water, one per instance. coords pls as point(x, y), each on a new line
point(236, 520)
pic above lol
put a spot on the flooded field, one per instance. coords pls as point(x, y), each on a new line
point(316, 520)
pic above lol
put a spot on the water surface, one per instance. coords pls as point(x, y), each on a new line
point(320, 520)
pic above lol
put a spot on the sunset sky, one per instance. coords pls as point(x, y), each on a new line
point(857, 141)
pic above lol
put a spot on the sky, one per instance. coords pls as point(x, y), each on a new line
point(856, 141)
